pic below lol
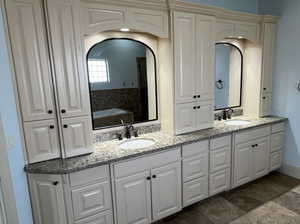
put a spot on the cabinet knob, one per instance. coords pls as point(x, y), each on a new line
point(50, 111)
point(63, 111)
point(256, 145)
point(194, 97)
point(55, 183)
point(148, 178)
point(264, 98)
point(154, 176)
point(51, 126)
point(65, 126)
point(199, 96)
point(195, 108)
point(265, 88)
point(198, 107)
point(252, 146)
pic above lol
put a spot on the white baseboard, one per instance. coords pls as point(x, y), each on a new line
point(292, 171)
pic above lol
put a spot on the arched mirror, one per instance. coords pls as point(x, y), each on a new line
point(122, 80)
point(228, 76)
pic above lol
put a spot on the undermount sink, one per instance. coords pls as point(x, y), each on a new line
point(137, 143)
point(237, 122)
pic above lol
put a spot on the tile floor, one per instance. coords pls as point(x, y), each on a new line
point(274, 199)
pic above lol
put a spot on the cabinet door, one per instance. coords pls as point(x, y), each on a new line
point(266, 105)
point(195, 167)
point(92, 199)
point(205, 57)
point(77, 136)
point(220, 159)
point(269, 46)
point(29, 48)
point(204, 115)
point(242, 164)
point(102, 218)
point(47, 199)
point(184, 56)
point(219, 182)
point(275, 160)
point(68, 57)
point(195, 190)
point(166, 190)
point(261, 155)
point(185, 118)
point(133, 199)
point(42, 140)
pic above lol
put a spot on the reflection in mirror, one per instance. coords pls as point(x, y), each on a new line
point(122, 79)
point(228, 76)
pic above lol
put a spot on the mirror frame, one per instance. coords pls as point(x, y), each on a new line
point(89, 83)
point(242, 72)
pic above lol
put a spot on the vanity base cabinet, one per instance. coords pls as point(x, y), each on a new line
point(103, 218)
point(195, 191)
point(277, 141)
point(148, 188)
point(47, 199)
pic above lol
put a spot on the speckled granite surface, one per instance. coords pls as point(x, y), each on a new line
point(108, 152)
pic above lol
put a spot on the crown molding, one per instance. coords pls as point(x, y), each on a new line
point(149, 4)
point(219, 13)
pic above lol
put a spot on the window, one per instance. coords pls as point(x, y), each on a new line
point(98, 70)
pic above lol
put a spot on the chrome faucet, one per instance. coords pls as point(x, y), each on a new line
point(227, 113)
point(128, 129)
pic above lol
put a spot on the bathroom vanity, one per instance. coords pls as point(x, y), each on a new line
point(84, 67)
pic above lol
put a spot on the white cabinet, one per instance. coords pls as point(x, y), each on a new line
point(166, 190)
point(31, 59)
point(103, 218)
point(219, 182)
point(195, 170)
point(266, 105)
point(47, 199)
point(68, 58)
point(251, 160)
point(193, 57)
point(194, 71)
point(133, 198)
point(277, 142)
point(42, 140)
point(77, 136)
point(234, 29)
point(148, 188)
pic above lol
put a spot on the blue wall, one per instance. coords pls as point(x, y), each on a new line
point(239, 5)
point(12, 130)
point(286, 98)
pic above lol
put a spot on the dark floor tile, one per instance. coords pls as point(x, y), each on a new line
point(290, 200)
point(219, 211)
point(270, 213)
point(283, 180)
point(196, 217)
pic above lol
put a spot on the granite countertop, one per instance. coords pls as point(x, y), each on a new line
point(109, 151)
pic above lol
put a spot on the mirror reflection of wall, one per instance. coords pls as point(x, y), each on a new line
point(122, 78)
point(228, 76)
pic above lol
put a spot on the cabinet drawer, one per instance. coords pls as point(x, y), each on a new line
point(220, 142)
point(275, 160)
point(195, 149)
point(219, 182)
point(147, 162)
point(278, 127)
point(102, 218)
point(91, 199)
point(89, 175)
point(195, 190)
point(255, 133)
point(195, 167)
point(220, 159)
point(277, 141)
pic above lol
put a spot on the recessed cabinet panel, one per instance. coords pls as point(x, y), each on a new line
point(219, 182)
point(185, 56)
point(276, 160)
point(195, 190)
point(195, 167)
point(204, 115)
point(166, 190)
point(266, 105)
point(133, 199)
point(70, 72)
point(77, 136)
point(91, 199)
point(220, 159)
point(42, 140)
point(185, 118)
point(31, 59)
point(277, 141)
point(205, 57)
point(100, 17)
point(261, 154)
point(242, 164)
point(47, 199)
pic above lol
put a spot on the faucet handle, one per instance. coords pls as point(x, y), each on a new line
point(136, 133)
point(119, 136)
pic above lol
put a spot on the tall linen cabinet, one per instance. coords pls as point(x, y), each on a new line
point(53, 94)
